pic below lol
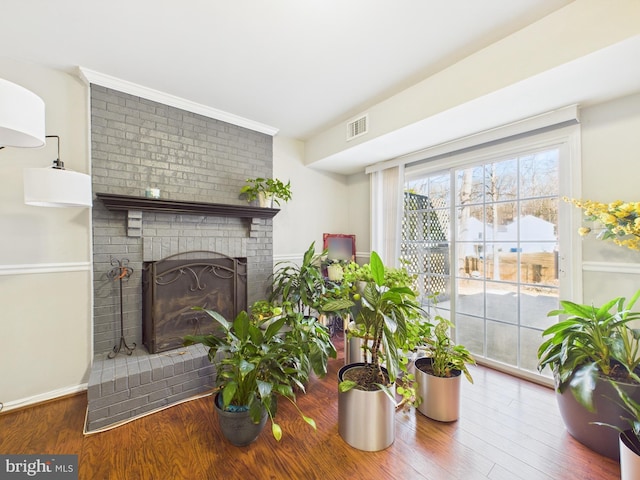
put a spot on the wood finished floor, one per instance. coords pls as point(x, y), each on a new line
point(509, 429)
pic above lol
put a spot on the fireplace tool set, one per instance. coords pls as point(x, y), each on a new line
point(121, 271)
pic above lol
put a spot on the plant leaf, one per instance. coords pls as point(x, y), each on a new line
point(346, 385)
point(583, 383)
point(276, 431)
point(377, 268)
point(310, 421)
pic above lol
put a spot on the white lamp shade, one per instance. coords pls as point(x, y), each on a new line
point(21, 116)
point(53, 187)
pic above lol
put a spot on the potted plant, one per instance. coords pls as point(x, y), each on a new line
point(254, 368)
point(590, 347)
point(312, 337)
point(267, 190)
point(439, 371)
point(314, 341)
point(355, 278)
point(302, 285)
point(366, 396)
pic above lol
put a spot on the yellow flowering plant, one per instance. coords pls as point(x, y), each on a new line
point(620, 221)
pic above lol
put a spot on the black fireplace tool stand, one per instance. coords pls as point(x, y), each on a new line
point(120, 271)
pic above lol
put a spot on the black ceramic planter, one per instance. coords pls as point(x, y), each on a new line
point(238, 427)
point(579, 421)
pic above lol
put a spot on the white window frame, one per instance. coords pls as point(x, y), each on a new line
point(567, 139)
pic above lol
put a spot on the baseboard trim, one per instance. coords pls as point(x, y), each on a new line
point(42, 398)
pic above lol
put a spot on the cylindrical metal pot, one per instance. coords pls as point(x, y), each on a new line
point(366, 420)
point(353, 352)
point(440, 395)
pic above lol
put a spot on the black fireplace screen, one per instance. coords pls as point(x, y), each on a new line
point(172, 286)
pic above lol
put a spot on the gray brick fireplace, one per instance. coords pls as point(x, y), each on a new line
point(138, 144)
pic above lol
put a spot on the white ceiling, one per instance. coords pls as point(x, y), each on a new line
point(296, 65)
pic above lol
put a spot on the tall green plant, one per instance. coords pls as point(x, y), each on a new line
point(300, 285)
point(383, 316)
point(592, 341)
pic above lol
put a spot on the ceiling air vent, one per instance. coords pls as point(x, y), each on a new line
point(357, 127)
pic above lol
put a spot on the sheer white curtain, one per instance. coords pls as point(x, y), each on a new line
point(387, 188)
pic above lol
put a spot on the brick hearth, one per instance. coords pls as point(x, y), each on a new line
point(127, 387)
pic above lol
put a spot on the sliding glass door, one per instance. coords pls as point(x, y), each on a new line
point(483, 238)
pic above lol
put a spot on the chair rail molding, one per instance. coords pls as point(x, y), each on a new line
point(612, 267)
point(36, 268)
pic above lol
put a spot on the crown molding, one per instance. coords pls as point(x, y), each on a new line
point(91, 76)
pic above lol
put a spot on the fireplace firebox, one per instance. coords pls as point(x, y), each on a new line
point(175, 284)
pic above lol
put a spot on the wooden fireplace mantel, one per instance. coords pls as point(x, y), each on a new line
point(115, 202)
point(134, 206)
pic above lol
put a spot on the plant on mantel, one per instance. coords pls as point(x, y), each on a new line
point(267, 190)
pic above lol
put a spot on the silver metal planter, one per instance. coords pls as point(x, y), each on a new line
point(440, 395)
point(353, 352)
point(366, 420)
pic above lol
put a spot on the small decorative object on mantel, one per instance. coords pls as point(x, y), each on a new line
point(120, 271)
point(620, 221)
point(267, 190)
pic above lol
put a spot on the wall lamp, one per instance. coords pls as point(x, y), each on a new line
point(21, 117)
point(22, 125)
point(56, 187)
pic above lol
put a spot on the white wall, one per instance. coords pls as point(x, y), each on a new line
point(360, 214)
point(320, 203)
point(610, 171)
point(45, 279)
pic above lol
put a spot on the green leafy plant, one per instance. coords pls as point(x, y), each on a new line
point(446, 356)
point(313, 341)
point(382, 317)
point(263, 309)
point(393, 277)
point(591, 342)
point(270, 187)
point(406, 388)
point(353, 273)
point(255, 366)
point(302, 285)
point(633, 409)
